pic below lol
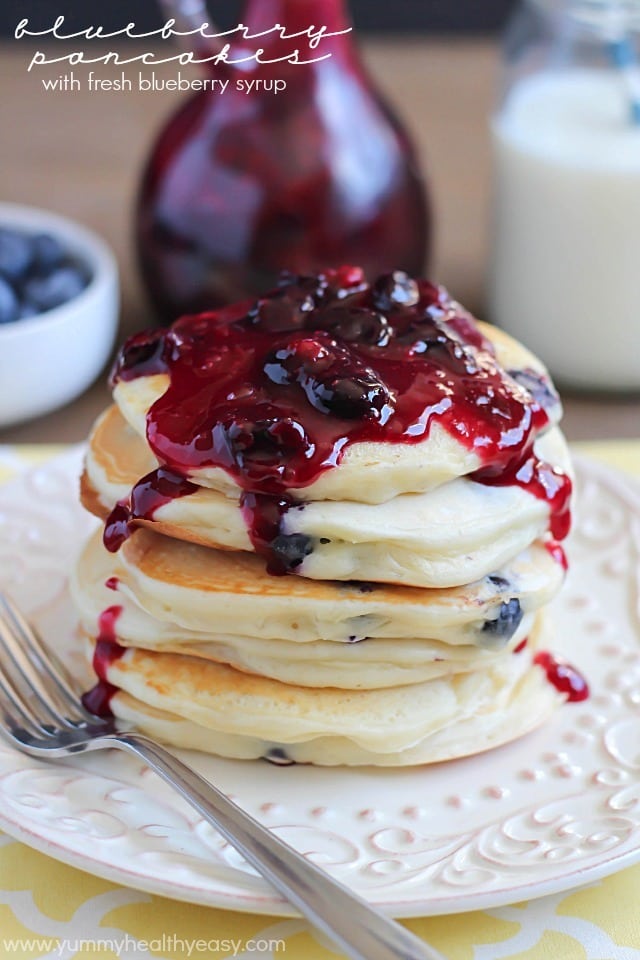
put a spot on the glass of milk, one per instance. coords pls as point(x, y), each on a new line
point(565, 252)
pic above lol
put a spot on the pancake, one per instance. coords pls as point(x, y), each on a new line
point(402, 460)
point(369, 664)
point(454, 534)
point(208, 706)
point(116, 458)
point(195, 587)
point(367, 472)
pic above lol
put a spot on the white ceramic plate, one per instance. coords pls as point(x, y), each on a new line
point(557, 809)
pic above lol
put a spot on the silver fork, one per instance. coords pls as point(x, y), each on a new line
point(40, 714)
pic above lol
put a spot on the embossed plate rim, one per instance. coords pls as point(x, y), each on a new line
point(185, 877)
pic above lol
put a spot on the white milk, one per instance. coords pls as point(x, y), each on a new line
point(565, 274)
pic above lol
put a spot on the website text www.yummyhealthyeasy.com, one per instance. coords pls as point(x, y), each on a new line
point(130, 947)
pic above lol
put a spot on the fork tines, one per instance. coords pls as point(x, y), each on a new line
point(35, 686)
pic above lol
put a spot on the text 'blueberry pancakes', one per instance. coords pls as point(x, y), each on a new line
point(332, 522)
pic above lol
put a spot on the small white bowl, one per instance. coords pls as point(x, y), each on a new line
point(48, 360)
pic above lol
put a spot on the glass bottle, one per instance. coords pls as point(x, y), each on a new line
point(240, 186)
point(565, 264)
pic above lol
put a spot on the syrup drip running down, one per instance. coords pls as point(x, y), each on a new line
point(556, 550)
point(543, 481)
point(273, 392)
point(263, 515)
point(148, 495)
point(98, 699)
point(565, 678)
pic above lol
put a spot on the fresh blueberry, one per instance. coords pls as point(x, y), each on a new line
point(424, 334)
point(9, 305)
point(304, 285)
point(335, 381)
point(291, 361)
point(291, 549)
point(57, 288)
point(48, 253)
point(350, 398)
point(355, 325)
point(498, 581)
point(394, 290)
point(362, 586)
point(27, 310)
point(283, 312)
point(16, 254)
point(262, 448)
point(507, 621)
point(279, 758)
point(538, 386)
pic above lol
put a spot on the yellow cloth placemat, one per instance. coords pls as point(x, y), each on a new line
point(48, 909)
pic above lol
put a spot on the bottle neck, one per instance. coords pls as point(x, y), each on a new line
point(296, 16)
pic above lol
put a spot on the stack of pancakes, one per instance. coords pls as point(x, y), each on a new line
point(404, 631)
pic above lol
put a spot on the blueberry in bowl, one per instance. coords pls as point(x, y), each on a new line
point(37, 274)
point(58, 310)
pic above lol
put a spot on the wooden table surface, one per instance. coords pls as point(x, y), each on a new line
point(80, 153)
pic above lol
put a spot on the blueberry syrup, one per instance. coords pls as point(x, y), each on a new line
point(262, 515)
point(98, 699)
point(542, 480)
point(148, 495)
point(274, 391)
point(563, 676)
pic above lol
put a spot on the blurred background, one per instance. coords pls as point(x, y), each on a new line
point(438, 63)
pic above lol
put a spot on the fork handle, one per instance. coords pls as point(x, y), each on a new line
point(357, 928)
